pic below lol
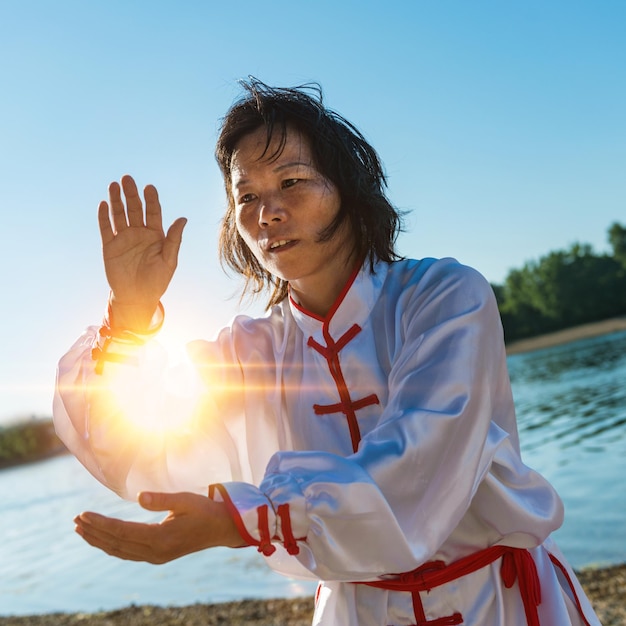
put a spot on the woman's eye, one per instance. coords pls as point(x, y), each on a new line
point(248, 197)
point(290, 182)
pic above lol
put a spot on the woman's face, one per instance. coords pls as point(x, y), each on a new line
point(282, 205)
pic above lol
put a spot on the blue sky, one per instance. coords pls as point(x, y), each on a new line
point(501, 126)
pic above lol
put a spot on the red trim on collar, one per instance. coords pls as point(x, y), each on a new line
point(340, 298)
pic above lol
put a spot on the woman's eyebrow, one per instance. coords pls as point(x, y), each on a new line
point(284, 166)
point(240, 182)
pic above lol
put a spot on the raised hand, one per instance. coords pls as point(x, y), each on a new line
point(194, 523)
point(139, 258)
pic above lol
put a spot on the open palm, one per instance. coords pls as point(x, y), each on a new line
point(139, 258)
point(193, 523)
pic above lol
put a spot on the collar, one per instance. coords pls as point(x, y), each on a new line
point(352, 306)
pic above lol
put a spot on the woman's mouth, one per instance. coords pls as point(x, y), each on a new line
point(281, 243)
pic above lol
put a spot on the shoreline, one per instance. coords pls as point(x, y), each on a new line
point(567, 335)
point(36, 458)
point(605, 587)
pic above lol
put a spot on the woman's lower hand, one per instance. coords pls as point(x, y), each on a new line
point(193, 523)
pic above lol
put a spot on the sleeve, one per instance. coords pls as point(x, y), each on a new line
point(449, 417)
point(142, 419)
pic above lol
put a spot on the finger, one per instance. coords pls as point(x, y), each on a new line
point(111, 525)
point(109, 530)
point(154, 218)
point(173, 239)
point(133, 201)
point(155, 501)
point(104, 221)
point(117, 208)
point(114, 546)
point(133, 541)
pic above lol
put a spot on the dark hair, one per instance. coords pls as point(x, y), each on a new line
point(341, 154)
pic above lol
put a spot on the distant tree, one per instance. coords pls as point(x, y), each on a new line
point(564, 288)
point(617, 239)
point(521, 317)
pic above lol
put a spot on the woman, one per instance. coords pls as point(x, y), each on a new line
point(362, 433)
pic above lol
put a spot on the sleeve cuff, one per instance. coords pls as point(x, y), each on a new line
point(123, 342)
point(258, 523)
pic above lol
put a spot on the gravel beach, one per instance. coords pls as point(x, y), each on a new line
point(605, 587)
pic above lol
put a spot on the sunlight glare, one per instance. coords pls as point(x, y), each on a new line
point(161, 396)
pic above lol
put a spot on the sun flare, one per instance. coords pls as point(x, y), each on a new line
point(162, 395)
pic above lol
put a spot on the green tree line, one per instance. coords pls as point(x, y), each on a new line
point(565, 288)
point(28, 441)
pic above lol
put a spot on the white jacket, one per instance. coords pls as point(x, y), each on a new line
point(348, 448)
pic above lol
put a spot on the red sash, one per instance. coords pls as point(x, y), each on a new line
point(517, 563)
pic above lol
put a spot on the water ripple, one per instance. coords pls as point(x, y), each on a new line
point(573, 395)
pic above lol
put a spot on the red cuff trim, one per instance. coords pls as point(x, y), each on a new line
point(265, 544)
point(290, 543)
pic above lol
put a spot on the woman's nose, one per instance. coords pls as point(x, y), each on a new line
point(271, 211)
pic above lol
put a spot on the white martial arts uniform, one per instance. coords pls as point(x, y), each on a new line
point(376, 441)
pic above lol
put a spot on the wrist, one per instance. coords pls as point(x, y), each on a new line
point(231, 537)
point(135, 318)
point(125, 334)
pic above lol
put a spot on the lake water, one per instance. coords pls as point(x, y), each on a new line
point(571, 403)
